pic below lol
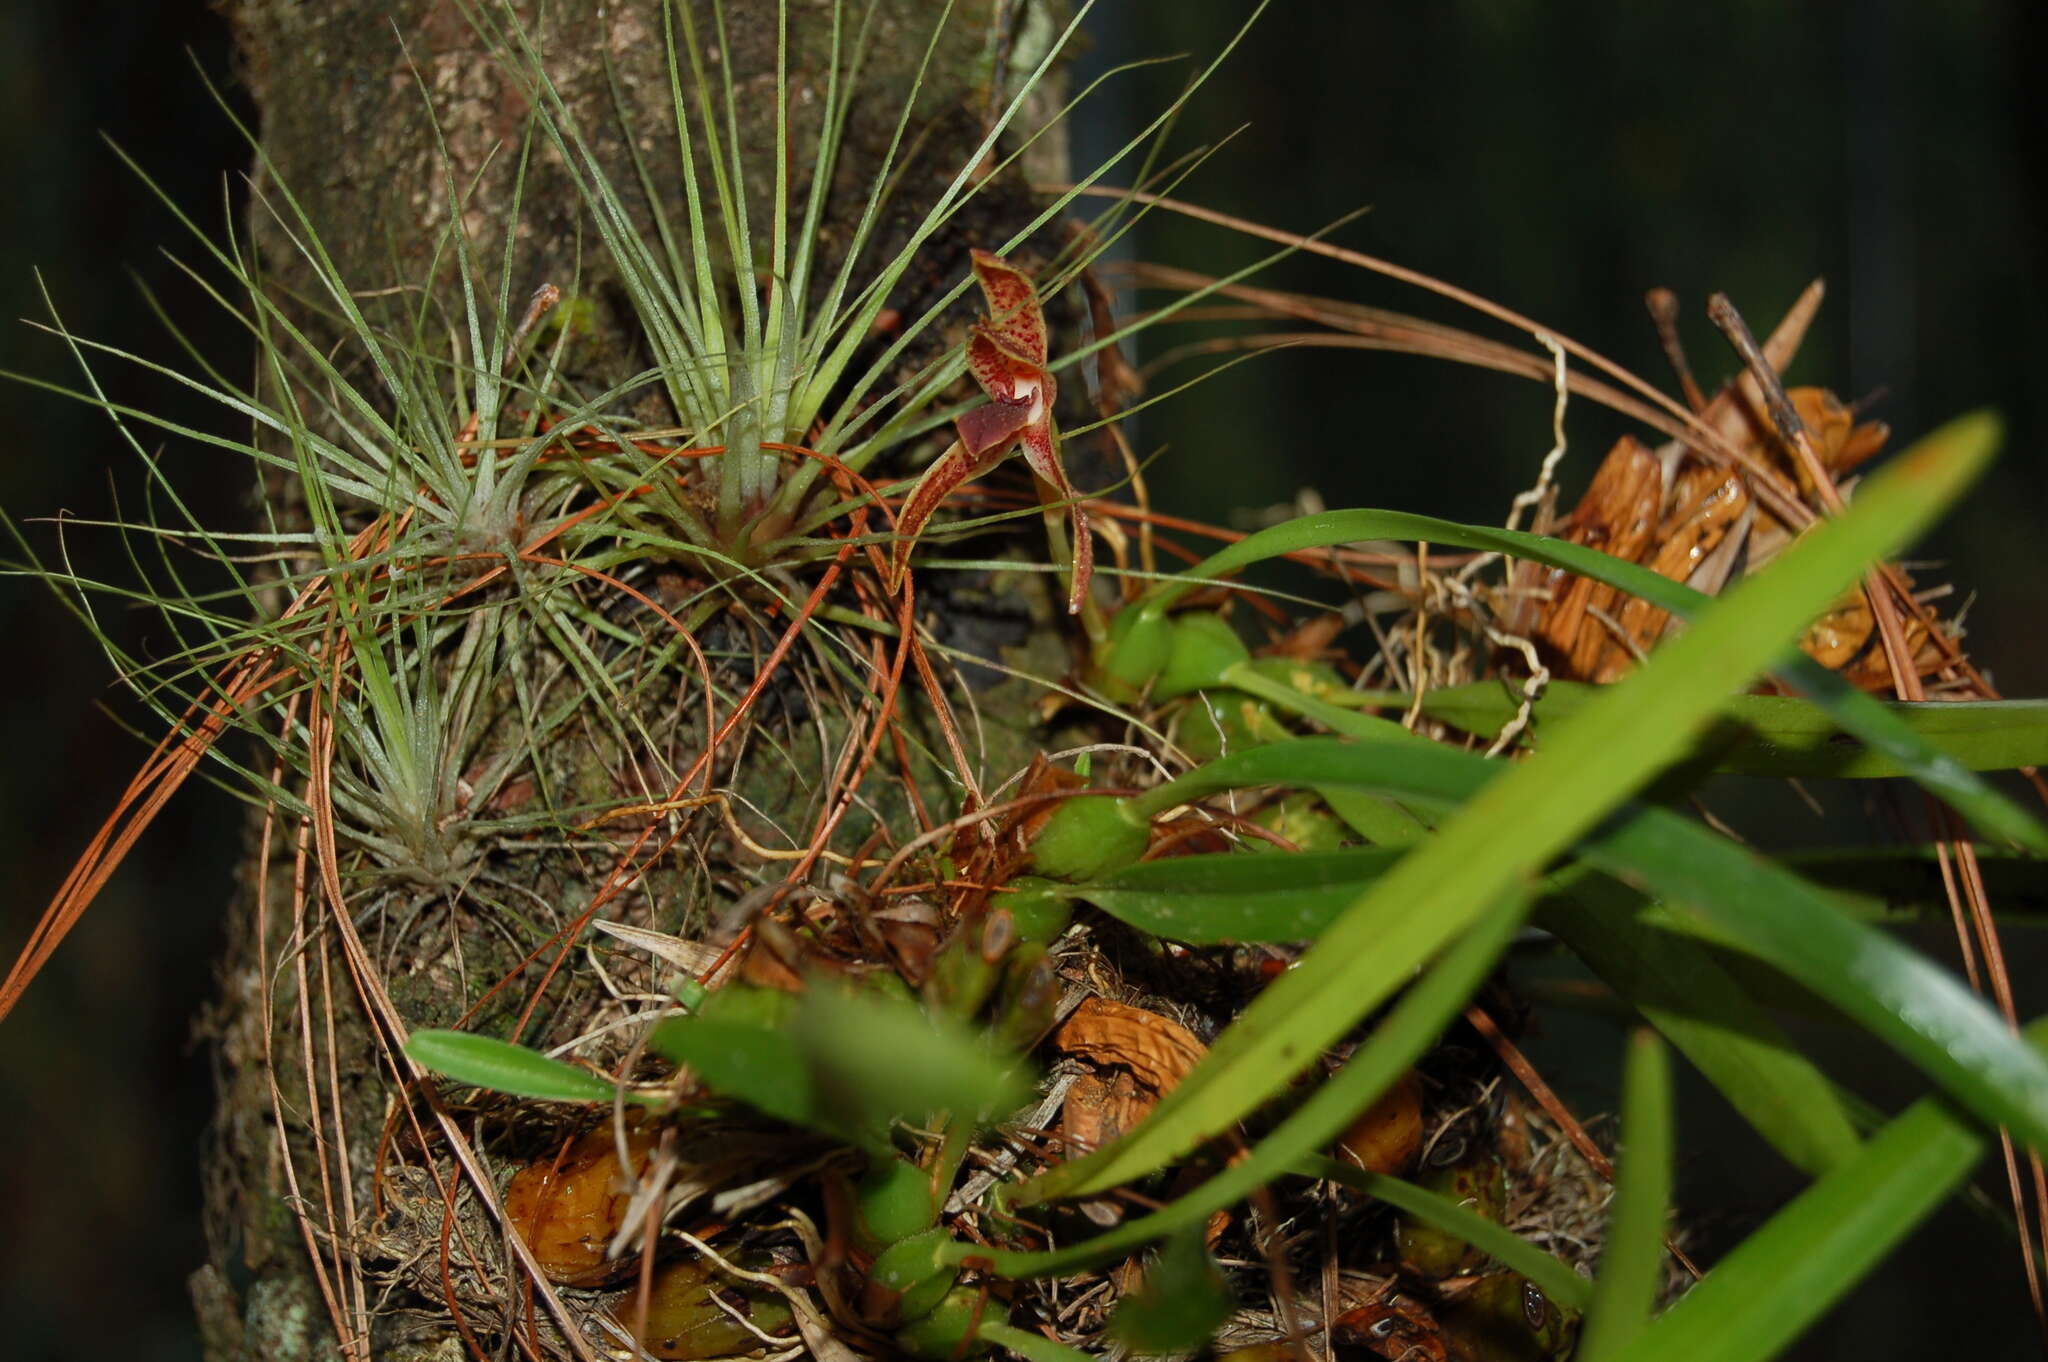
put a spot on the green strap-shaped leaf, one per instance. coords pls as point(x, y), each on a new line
point(1557, 1281)
point(1233, 896)
point(1395, 1044)
point(1674, 979)
point(1782, 735)
point(1632, 1260)
point(1882, 731)
point(1716, 1022)
point(1498, 843)
point(507, 1068)
point(1782, 1278)
point(1715, 889)
point(1905, 883)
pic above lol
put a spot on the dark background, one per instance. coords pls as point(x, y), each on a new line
point(1558, 157)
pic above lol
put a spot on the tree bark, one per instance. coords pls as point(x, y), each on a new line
point(371, 110)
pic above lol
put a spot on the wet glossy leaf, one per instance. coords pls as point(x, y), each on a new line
point(1387, 1136)
point(1632, 1260)
point(1781, 735)
point(567, 1206)
point(504, 1067)
point(1777, 1282)
point(691, 1314)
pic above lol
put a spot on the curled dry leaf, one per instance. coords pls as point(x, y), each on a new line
point(568, 1207)
point(1117, 383)
point(1157, 1050)
point(1100, 1108)
point(1142, 1056)
point(691, 957)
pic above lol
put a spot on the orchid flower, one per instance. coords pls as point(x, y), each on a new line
point(1007, 355)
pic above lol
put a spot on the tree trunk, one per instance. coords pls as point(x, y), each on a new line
point(371, 111)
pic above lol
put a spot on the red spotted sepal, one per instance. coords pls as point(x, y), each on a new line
point(1006, 354)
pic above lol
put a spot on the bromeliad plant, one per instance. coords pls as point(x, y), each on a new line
point(582, 743)
point(463, 508)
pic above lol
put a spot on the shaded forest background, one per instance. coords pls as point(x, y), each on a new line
point(1560, 158)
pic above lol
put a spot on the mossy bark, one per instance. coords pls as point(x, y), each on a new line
point(371, 110)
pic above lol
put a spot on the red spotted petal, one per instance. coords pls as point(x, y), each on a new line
point(1016, 322)
point(1084, 558)
point(994, 370)
point(1043, 454)
point(956, 467)
point(1008, 378)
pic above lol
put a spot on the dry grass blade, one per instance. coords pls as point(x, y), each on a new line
point(1706, 440)
point(167, 768)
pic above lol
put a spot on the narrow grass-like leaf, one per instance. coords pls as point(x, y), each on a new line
point(1409, 1029)
point(1632, 1260)
point(503, 1067)
point(1782, 1278)
point(1728, 893)
point(1862, 715)
point(1673, 978)
point(1781, 735)
point(1904, 883)
point(1677, 983)
point(1557, 1281)
point(1500, 840)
